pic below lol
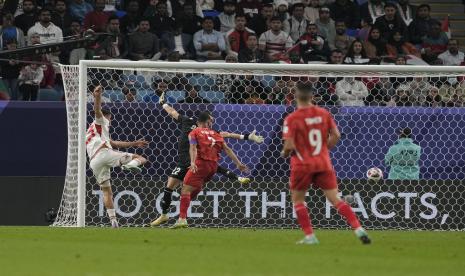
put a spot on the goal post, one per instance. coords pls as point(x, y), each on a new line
point(265, 203)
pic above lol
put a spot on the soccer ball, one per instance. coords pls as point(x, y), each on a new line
point(375, 174)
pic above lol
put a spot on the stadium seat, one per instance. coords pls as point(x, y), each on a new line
point(141, 94)
point(213, 96)
point(205, 82)
point(113, 95)
point(178, 95)
point(268, 81)
point(49, 95)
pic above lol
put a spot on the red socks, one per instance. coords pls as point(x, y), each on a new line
point(184, 205)
point(303, 218)
point(344, 210)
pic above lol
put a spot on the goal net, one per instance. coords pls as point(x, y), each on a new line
point(370, 104)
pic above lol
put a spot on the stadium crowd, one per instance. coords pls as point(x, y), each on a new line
point(245, 31)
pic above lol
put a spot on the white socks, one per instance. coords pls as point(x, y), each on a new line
point(111, 214)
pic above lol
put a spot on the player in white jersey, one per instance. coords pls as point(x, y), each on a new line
point(103, 157)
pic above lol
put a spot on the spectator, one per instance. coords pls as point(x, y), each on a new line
point(158, 88)
point(253, 97)
point(402, 97)
point(142, 43)
point(326, 26)
point(342, 41)
point(97, 19)
point(296, 25)
point(398, 46)
point(390, 22)
point(336, 57)
point(244, 88)
point(312, 11)
point(400, 60)
point(365, 29)
point(10, 72)
point(403, 158)
point(375, 46)
point(193, 95)
point(114, 46)
point(131, 20)
point(231, 59)
point(181, 43)
point(79, 9)
point(356, 54)
point(162, 24)
point(151, 9)
point(282, 7)
point(434, 43)
point(421, 25)
point(76, 54)
point(451, 92)
point(406, 11)
point(274, 42)
point(313, 46)
point(48, 32)
point(61, 16)
point(236, 39)
point(29, 79)
point(226, 20)
point(452, 56)
point(351, 92)
point(434, 99)
point(419, 88)
point(190, 22)
point(278, 92)
point(346, 11)
point(373, 9)
point(249, 7)
point(9, 32)
point(260, 23)
point(129, 95)
point(206, 5)
point(381, 93)
point(252, 54)
point(29, 17)
point(325, 93)
point(208, 43)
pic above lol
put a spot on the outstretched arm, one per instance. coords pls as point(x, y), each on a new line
point(171, 111)
point(250, 136)
point(234, 158)
point(123, 144)
point(98, 102)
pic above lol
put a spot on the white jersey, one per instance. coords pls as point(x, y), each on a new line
point(98, 134)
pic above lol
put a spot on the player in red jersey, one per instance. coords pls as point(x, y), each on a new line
point(205, 148)
point(309, 133)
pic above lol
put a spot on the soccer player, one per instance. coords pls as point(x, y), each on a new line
point(186, 125)
point(102, 156)
point(309, 133)
point(205, 146)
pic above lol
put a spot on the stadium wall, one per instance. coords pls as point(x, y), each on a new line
point(33, 137)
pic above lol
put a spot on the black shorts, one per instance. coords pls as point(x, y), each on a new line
point(179, 172)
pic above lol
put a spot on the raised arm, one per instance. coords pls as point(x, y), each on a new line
point(234, 158)
point(98, 102)
point(249, 136)
point(125, 144)
point(171, 111)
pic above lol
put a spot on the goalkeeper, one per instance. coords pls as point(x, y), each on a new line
point(187, 124)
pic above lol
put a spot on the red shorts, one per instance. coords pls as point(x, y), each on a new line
point(205, 172)
point(301, 180)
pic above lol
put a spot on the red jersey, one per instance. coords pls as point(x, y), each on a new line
point(309, 128)
point(209, 143)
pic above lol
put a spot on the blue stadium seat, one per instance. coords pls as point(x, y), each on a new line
point(205, 82)
point(213, 96)
point(141, 94)
point(49, 95)
point(178, 95)
point(114, 95)
point(268, 81)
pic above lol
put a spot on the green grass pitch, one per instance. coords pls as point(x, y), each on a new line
point(145, 251)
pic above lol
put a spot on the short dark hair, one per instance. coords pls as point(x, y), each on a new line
point(390, 4)
point(208, 18)
point(269, 5)
point(143, 19)
point(406, 133)
point(45, 10)
point(276, 18)
point(298, 5)
point(64, 1)
point(112, 17)
point(106, 112)
point(240, 15)
point(424, 6)
point(252, 34)
point(304, 87)
point(204, 116)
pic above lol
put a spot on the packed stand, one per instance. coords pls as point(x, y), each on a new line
point(248, 31)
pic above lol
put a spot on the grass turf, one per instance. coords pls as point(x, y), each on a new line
point(143, 251)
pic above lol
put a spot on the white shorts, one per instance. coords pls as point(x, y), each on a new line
point(105, 160)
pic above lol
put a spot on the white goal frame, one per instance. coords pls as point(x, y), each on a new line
point(256, 69)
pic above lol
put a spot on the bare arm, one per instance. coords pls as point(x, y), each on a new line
point(334, 137)
point(171, 111)
point(234, 158)
point(193, 156)
point(98, 102)
point(124, 144)
point(252, 136)
point(288, 148)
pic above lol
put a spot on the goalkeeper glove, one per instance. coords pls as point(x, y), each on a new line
point(256, 138)
point(161, 99)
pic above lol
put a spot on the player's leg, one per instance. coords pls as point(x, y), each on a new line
point(184, 206)
point(300, 182)
point(108, 202)
point(174, 180)
point(234, 177)
point(134, 163)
